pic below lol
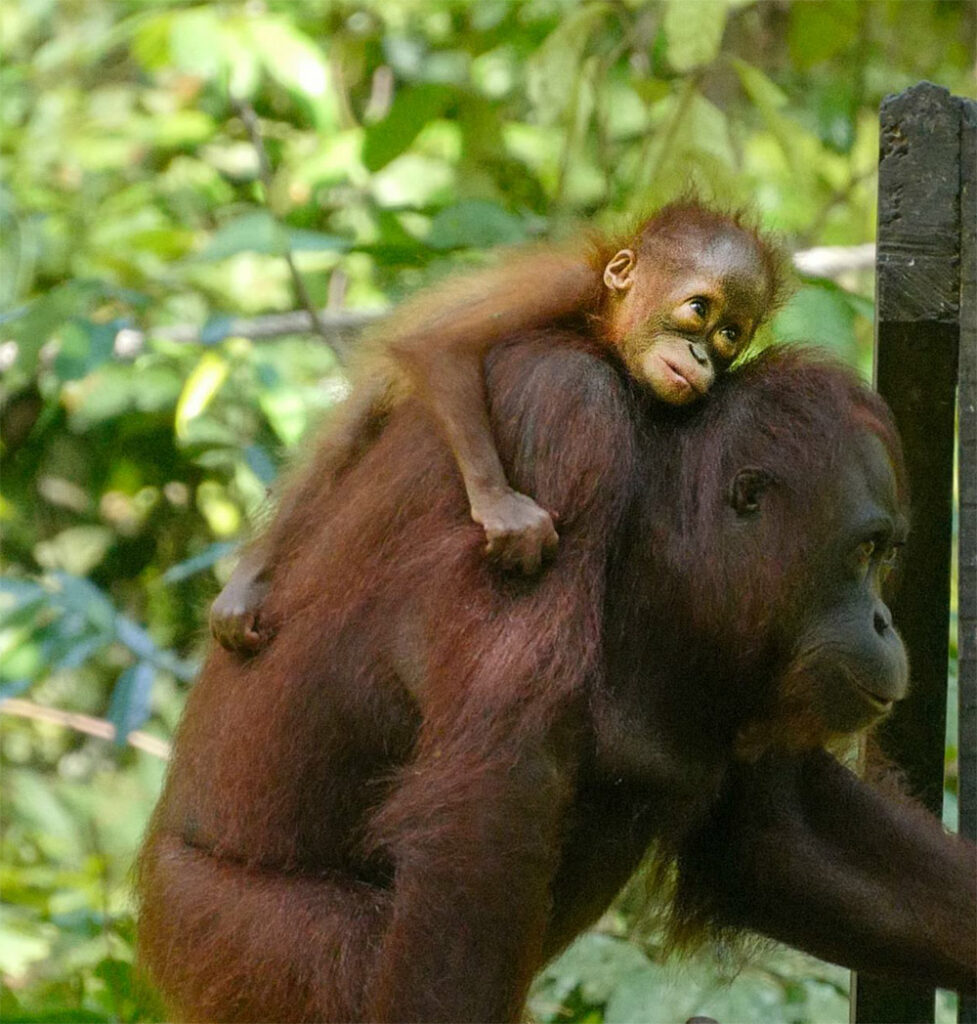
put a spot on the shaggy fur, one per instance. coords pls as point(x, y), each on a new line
point(437, 775)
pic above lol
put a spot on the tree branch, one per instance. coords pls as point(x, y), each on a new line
point(98, 727)
point(341, 327)
point(250, 119)
point(834, 260)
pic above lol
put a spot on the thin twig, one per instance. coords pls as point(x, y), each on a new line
point(250, 119)
point(821, 261)
point(259, 328)
point(654, 156)
point(99, 727)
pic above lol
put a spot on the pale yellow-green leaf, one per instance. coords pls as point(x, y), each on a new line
point(192, 35)
point(691, 148)
point(694, 31)
point(23, 941)
point(298, 63)
point(200, 388)
point(770, 101)
point(286, 413)
point(764, 93)
point(77, 549)
point(151, 42)
point(222, 515)
point(240, 59)
point(553, 68)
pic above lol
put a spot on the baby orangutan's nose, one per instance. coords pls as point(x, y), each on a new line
point(698, 354)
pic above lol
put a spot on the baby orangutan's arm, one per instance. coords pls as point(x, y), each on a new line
point(678, 303)
point(440, 341)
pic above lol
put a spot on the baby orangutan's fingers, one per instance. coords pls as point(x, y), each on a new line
point(519, 534)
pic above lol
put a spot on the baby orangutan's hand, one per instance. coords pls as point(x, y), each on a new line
point(235, 613)
point(520, 534)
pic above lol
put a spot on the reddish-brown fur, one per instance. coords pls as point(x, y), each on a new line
point(633, 295)
point(436, 775)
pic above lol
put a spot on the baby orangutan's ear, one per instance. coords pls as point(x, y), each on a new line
point(619, 272)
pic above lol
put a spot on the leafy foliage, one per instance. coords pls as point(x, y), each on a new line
point(403, 140)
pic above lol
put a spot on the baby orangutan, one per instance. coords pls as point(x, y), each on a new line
point(679, 301)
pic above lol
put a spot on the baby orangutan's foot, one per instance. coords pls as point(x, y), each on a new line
point(235, 615)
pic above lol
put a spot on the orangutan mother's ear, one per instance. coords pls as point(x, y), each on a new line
point(747, 488)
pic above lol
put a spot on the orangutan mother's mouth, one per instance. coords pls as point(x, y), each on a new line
point(877, 701)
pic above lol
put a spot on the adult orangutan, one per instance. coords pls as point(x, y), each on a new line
point(437, 775)
point(678, 299)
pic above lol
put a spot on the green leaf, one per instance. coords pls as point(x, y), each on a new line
point(764, 93)
point(15, 688)
point(693, 32)
point(75, 593)
point(821, 314)
point(192, 36)
point(637, 992)
point(84, 347)
point(412, 108)
point(33, 797)
point(216, 329)
point(20, 946)
point(769, 100)
point(552, 69)
point(78, 653)
point(178, 130)
point(261, 463)
point(16, 595)
point(201, 562)
point(595, 963)
point(151, 42)
point(41, 319)
point(256, 231)
point(144, 647)
point(294, 60)
point(129, 707)
point(699, 148)
point(819, 31)
point(300, 240)
point(286, 413)
point(474, 223)
point(837, 109)
point(241, 63)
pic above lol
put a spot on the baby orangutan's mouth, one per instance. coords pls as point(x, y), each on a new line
point(682, 377)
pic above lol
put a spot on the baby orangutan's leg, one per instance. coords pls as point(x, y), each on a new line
point(235, 615)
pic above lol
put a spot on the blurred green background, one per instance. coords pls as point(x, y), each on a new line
point(142, 421)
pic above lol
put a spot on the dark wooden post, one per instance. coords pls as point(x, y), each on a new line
point(967, 475)
point(916, 345)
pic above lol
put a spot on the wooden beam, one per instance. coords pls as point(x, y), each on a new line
point(917, 330)
point(967, 489)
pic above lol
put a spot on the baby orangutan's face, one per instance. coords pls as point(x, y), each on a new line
point(679, 318)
